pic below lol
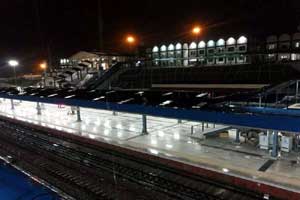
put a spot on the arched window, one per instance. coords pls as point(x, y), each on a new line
point(193, 45)
point(178, 46)
point(210, 43)
point(221, 42)
point(242, 40)
point(201, 44)
point(155, 49)
point(171, 47)
point(230, 41)
point(163, 48)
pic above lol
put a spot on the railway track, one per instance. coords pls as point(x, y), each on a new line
point(151, 176)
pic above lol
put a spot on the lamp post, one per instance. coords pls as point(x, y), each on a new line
point(14, 64)
point(197, 31)
point(131, 41)
point(43, 66)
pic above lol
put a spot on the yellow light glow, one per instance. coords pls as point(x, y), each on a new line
point(197, 30)
point(43, 66)
point(130, 39)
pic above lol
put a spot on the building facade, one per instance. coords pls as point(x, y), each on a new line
point(230, 51)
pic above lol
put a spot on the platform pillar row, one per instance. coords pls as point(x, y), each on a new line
point(144, 131)
point(237, 136)
point(38, 108)
point(12, 104)
point(78, 114)
point(275, 144)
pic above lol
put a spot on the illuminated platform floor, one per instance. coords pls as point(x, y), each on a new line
point(166, 138)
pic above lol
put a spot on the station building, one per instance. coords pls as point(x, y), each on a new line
point(230, 51)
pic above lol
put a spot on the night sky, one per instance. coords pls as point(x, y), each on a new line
point(30, 29)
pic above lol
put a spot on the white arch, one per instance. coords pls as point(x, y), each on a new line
point(210, 43)
point(221, 42)
point(163, 48)
point(201, 44)
point(185, 46)
point(178, 46)
point(155, 49)
point(193, 45)
point(242, 40)
point(171, 47)
point(230, 41)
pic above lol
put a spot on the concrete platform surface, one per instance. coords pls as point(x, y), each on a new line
point(166, 138)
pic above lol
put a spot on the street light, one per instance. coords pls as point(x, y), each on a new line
point(130, 39)
point(196, 30)
point(14, 64)
point(43, 66)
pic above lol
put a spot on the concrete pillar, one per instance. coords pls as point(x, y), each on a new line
point(115, 113)
point(297, 90)
point(73, 109)
point(260, 101)
point(78, 114)
point(12, 104)
point(275, 144)
point(38, 108)
point(202, 126)
point(207, 125)
point(237, 136)
point(179, 121)
point(144, 131)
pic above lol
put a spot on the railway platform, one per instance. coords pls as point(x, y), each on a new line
point(172, 143)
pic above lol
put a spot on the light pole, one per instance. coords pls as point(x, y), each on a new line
point(197, 31)
point(14, 64)
point(131, 41)
point(43, 66)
